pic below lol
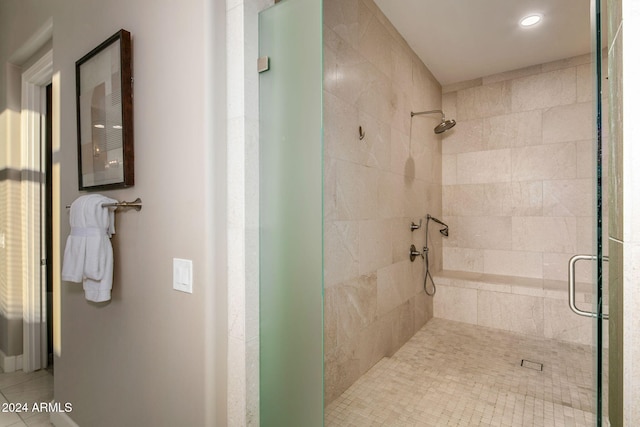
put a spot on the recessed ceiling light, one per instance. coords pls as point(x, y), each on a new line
point(530, 20)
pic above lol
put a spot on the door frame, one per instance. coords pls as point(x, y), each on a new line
point(34, 82)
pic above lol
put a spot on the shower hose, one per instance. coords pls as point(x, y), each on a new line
point(427, 274)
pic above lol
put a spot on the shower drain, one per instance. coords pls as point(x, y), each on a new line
point(531, 365)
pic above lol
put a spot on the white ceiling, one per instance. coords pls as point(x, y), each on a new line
point(461, 40)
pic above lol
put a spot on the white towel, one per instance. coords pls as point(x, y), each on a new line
point(88, 255)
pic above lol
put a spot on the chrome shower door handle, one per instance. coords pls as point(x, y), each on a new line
point(572, 285)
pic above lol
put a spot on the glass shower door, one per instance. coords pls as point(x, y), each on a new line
point(291, 262)
point(597, 257)
point(600, 233)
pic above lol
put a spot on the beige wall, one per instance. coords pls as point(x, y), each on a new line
point(148, 356)
point(517, 171)
point(374, 189)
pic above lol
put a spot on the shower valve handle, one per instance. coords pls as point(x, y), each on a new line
point(413, 253)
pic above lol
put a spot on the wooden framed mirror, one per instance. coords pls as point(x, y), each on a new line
point(104, 99)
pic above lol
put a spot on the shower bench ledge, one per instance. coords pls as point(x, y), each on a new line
point(524, 305)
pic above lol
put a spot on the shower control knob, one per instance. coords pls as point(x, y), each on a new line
point(413, 253)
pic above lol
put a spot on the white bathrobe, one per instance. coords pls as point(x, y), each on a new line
point(88, 255)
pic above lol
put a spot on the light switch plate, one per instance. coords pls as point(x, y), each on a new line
point(183, 275)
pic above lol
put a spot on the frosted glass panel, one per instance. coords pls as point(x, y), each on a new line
point(291, 270)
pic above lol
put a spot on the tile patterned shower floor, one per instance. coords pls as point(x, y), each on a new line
point(455, 374)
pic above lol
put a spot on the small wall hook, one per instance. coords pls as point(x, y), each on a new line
point(361, 133)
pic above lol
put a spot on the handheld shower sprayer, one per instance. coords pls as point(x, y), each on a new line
point(427, 274)
point(444, 231)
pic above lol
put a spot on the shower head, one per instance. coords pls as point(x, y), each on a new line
point(444, 231)
point(444, 124)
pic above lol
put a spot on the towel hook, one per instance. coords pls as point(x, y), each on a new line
point(361, 132)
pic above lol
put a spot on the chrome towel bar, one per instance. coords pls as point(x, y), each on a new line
point(136, 204)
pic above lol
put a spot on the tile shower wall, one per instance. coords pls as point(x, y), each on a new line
point(517, 171)
point(624, 193)
point(374, 189)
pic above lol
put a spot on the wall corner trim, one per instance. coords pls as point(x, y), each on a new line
point(61, 419)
